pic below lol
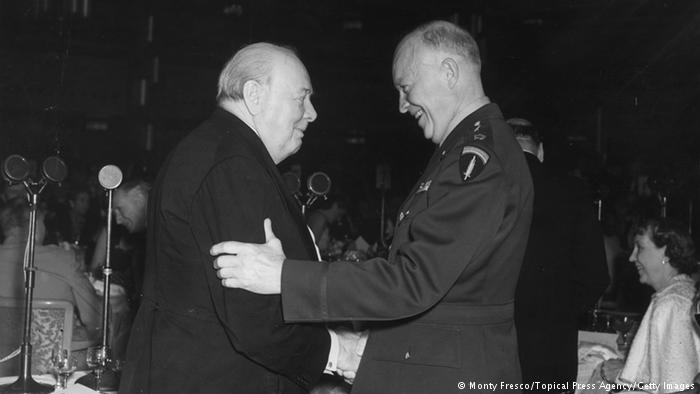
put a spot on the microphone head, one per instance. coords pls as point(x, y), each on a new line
point(110, 177)
point(319, 183)
point(15, 168)
point(54, 169)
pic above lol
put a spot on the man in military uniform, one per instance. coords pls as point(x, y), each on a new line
point(441, 304)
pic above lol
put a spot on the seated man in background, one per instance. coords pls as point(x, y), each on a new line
point(58, 275)
point(128, 247)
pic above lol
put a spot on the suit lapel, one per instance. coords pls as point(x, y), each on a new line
point(263, 156)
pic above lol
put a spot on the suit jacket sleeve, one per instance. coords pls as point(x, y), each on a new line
point(446, 230)
point(84, 296)
point(231, 204)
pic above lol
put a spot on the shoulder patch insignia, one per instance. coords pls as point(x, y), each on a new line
point(472, 162)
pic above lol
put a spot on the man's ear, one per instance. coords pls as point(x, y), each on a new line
point(450, 69)
point(253, 96)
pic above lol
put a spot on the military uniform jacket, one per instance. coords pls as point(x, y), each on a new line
point(191, 335)
point(449, 280)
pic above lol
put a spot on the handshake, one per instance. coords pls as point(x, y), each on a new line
point(351, 347)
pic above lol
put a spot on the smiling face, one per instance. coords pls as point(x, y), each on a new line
point(129, 209)
point(420, 79)
point(286, 108)
point(647, 257)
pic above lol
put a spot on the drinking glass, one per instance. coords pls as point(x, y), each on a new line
point(62, 366)
point(626, 327)
point(97, 358)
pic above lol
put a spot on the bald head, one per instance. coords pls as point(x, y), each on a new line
point(437, 71)
point(441, 36)
point(254, 62)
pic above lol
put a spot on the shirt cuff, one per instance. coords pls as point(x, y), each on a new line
point(332, 364)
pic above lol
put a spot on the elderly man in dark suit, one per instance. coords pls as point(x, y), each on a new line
point(191, 335)
point(563, 273)
point(444, 295)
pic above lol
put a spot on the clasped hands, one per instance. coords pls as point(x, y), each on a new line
point(352, 346)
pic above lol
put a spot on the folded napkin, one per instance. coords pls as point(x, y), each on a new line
point(589, 351)
point(114, 290)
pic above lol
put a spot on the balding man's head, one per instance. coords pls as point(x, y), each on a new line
point(254, 62)
point(130, 203)
point(437, 73)
point(269, 89)
point(441, 36)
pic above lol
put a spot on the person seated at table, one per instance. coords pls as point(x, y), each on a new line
point(327, 214)
point(72, 222)
point(666, 348)
point(58, 275)
point(128, 246)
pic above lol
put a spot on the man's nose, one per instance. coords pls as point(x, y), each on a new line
point(403, 104)
point(310, 113)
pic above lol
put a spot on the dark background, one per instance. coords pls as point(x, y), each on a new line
point(613, 84)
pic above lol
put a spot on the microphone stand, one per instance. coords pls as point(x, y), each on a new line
point(104, 377)
point(25, 383)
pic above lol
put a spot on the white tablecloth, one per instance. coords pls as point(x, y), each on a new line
point(73, 388)
point(593, 348)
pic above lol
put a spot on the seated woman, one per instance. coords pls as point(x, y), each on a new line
point(665, 353)
point(58, 275)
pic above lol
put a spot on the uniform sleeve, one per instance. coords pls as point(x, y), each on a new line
point(231, 204)
point(438, 240)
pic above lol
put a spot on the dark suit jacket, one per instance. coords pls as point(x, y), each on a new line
point(191, 335)
point(564, 272)
point(450, 277)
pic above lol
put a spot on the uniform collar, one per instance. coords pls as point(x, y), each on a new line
point(486, 111)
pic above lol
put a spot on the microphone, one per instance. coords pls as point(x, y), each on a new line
point(319, 183)
point(15, 168)
point(105, 378)
point(54, 169)
point(110, 177)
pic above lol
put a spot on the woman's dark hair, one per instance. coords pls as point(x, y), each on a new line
point(680, 249)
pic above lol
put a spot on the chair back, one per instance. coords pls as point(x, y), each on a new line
point(52, 328)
